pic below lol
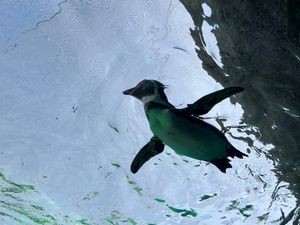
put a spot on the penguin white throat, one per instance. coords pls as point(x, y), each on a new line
point(156, 97)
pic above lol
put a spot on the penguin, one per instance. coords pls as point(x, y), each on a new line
point(182, 129)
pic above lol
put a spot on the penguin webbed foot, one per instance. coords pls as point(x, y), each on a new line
point(222, 164)
point(233, 152)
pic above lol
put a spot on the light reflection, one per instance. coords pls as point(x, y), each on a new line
point(206, 10)
point(289, 112)
point(86, 153)
point(211, 43)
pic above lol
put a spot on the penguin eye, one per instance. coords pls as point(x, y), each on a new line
point(147, 90)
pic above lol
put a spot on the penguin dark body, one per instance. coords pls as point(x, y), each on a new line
point(181, 129)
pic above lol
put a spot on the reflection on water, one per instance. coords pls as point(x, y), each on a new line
point(19, 205)
point(67, 129)
point(257, 52)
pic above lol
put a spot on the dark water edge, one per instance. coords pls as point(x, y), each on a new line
point(260, 51)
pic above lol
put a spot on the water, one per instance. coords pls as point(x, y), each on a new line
point(68, 135)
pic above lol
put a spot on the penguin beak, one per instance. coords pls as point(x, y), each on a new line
point(129, 91)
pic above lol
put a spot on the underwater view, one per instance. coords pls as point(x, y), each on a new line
point(105, 104)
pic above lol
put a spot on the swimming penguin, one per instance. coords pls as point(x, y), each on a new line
point(182, 129)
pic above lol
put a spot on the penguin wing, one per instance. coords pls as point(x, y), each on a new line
point(151, 149)
point(207, 102)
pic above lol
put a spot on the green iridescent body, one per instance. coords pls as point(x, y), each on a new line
point(187, 136)
point(182, 129)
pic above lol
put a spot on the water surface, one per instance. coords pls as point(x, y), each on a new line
point(68, 135)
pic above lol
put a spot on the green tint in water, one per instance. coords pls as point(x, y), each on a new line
point(114, 128)
point(116, 165)
point(135, 186)
point(159, 200)
point(82, 222)
point(117, 219)
point(138, 190)
point(205, 197)
point(15, 209)
point(184, 212)
point(14, 188)
point(37, 207)
point(20, 209)
point(245, 211)
point(130, 221)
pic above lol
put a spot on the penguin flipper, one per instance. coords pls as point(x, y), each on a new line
point(207, 102)
point(151, 149)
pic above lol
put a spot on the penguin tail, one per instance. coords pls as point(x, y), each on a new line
point(233, 152)
point(222, 164)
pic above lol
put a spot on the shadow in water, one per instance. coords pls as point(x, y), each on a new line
point(260, 51)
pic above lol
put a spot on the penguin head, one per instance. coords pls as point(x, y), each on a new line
point(148, 90)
